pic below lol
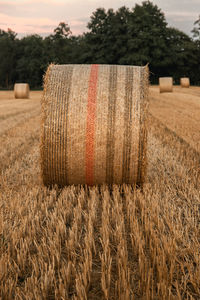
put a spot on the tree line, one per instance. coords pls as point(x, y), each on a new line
point(134, 36)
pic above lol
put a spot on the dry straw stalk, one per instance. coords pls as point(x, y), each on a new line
point(166, 84)
point(21, 90)
point(94, 124)
point(185, 82)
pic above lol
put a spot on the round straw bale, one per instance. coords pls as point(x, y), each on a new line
point(21, 90)
point(185, 82)
point(94, 124)
point(166, 84)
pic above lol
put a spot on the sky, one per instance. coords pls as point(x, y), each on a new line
point(27, 17)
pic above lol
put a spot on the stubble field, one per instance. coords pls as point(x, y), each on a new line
point(98, 242)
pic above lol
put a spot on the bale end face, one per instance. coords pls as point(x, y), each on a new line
point(93, 128)
point(166, 84)
point(21, 90)
point(185, 82)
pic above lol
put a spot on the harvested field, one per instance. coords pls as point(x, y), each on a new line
point(102, 243)
point(180, 112)
point(193, 90)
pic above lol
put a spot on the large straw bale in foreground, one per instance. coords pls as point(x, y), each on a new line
point(166, 84)
point(94, 124)
point(21, 90)
point(185, 82)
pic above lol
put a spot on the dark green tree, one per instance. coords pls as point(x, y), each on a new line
point(31, 60)
point(147, 39)
point(62, 31)
point(7, 57)
point(137, 37)
point(97, 39)
point(181, 55)
point(107, 37)
point(58, 44)
point(196, 37)
point(147, 35)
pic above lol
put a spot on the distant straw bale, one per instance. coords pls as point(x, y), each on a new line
point(94, 124)
point(21, 90)
point(185, 82)
point(166, 84)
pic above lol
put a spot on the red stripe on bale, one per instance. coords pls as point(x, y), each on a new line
point(90, 131)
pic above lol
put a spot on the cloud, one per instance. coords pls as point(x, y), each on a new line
point(23, 25)
point(43, 26)
point(29, 17)
point(183, 20)
point(185, 14)
point(42, 16)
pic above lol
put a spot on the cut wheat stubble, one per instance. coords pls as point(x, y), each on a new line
point(43, 233)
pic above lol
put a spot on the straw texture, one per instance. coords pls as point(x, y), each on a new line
point(94, 124)
point(185, 82)
point(166, 84)
point(21, 90)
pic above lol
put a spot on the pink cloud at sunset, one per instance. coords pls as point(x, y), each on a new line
point(43, 26)
point(41, 17)
point(22, 24)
